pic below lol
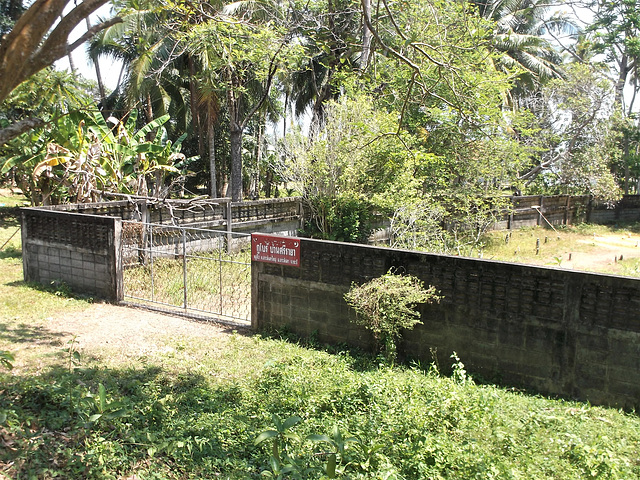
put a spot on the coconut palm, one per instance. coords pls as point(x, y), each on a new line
point(520, 37)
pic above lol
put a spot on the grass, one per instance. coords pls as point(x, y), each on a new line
point(555, 247)
point(195, 410)
point(11, 199)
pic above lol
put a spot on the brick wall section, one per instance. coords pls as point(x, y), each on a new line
point(80, 250)
point(554, 331)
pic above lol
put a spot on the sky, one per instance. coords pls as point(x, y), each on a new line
point(110, 70)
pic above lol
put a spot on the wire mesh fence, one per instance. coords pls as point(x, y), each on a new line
point(197, 272)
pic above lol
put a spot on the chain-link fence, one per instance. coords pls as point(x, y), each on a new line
point(193, 271)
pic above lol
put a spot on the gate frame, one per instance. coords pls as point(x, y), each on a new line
point(184, 310)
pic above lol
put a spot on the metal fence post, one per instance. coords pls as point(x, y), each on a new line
point(184, 264)
point(151, 240)
point(229, 226)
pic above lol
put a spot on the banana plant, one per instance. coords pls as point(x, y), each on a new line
point(85, 154)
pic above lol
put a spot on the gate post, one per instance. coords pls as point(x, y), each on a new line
point(184, 264)
point(229, 226)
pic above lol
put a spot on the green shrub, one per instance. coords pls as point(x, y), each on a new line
point(386, 305)
point(343, 218)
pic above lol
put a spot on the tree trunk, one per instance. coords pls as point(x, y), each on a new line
point(366, 36)
point(255, 182)
point(39, 38)
point(211, 139)
point(236, 162)
point(97, 67)
point(627, 160)
point(72, 65)
point(149, 113)
point(235, 138)
point(623, 66)
point(196, 124)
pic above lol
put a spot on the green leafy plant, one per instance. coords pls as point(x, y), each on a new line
point(289, 458)
point(280, 461)
point(386, 305)
point(344, 218)
point(6, 359)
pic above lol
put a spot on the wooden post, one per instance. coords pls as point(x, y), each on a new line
point(540, 210)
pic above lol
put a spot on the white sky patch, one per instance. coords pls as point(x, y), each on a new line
point(109, 68)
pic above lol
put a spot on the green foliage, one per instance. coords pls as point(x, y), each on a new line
point(386, 305)
point(577, 135)
point(343, 218)
point(329, 457)
point(193, 407)
point(82, 154)
point(6, 359)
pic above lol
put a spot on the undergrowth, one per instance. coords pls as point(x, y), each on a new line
point(201, 418)
point(235, 407)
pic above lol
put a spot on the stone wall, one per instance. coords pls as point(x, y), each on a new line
point(83, 251)
point(554, 331)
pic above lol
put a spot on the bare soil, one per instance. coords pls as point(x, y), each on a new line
point(605, 253)
point(128, 332)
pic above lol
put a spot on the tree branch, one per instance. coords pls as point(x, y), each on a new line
point(16, 129)
point(272, 71)
point(22, 51)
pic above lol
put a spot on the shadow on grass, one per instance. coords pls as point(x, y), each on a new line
point(10, 252)
point(9, 214)
point(59, 289)
point(24, 333)
point(146, 417)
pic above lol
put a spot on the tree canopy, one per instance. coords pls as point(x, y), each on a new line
point(430, 111)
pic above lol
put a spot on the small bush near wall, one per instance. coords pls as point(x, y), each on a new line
point(386, 305)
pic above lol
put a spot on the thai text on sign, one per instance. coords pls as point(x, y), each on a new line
point(275, 249)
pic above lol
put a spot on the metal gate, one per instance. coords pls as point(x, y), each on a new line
point(193, 271)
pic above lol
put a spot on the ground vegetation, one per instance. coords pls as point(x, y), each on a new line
point(98, 391)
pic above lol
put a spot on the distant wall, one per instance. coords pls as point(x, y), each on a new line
point(284, 216)
point(272, 215)
point(568, 210)
point(80, 250)
point(558, 332)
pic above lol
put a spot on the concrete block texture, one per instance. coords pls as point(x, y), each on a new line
point(76, 249)
point(556, 332)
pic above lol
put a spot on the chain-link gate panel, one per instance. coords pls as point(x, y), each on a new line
point(195, 271)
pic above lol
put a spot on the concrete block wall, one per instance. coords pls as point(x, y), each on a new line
point(554, 331)
point(83, 251)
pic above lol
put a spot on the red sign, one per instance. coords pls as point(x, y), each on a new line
point(275, 249)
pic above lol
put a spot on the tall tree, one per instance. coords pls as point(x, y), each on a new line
point(521, 35)
point(39, 38)
point(615, 33)
point(245, 55)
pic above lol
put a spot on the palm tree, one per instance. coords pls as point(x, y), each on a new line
point(329, 34)
point(520, 29)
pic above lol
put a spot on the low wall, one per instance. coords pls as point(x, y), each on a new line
point(80, 250)
point(272, 215)
point(555, 331)
point(568, 210)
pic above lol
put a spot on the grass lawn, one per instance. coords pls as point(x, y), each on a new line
point(607, 249)
point(191, 403)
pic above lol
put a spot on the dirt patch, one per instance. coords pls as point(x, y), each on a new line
point(129, 331)
point(603, 252)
